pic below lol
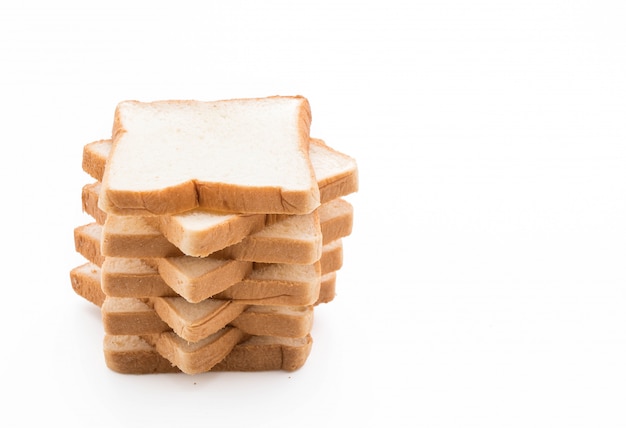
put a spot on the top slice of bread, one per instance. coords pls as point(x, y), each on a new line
point(239, 156)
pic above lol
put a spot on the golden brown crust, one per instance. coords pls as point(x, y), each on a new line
point(336, 219)
point(339, 186)
point(89, 199)
point(169, 200)
point(86, 283)
point(93, 163)
point(332, 257)
point(218, 198)
point(88, 245)
point(327, 288)
point(292, 357)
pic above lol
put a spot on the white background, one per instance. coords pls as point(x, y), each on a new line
point(484, 282)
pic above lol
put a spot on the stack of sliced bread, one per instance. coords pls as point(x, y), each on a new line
point(217, 229)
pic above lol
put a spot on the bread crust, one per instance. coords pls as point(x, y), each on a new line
point(85, 281)
point(332, 257)
point(87, 240)
point(327, 288)
point(93, 162)
point(341, 183)
point(89, 198)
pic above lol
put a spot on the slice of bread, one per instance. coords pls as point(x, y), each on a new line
point(135, 355)
point(191, 156)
